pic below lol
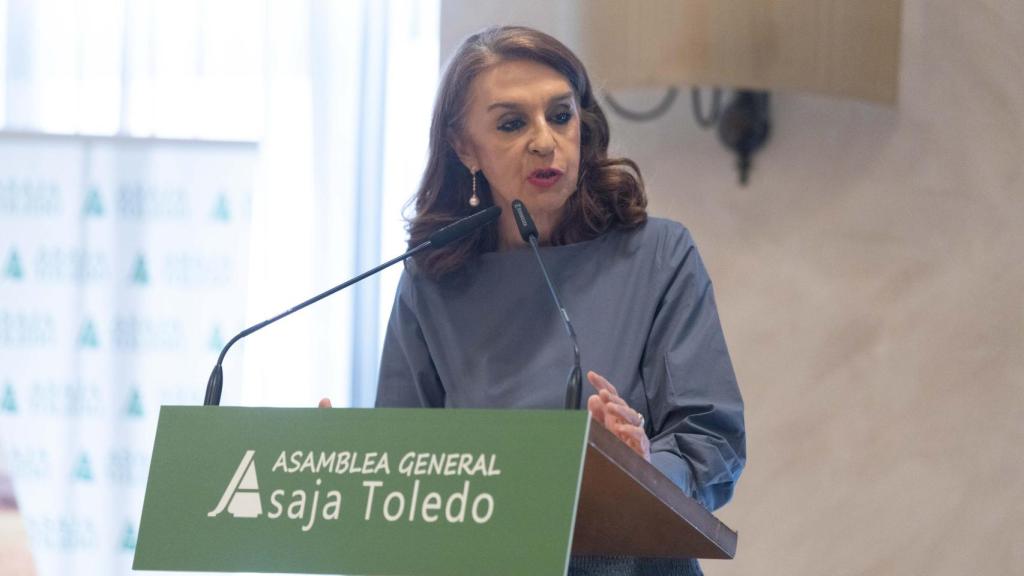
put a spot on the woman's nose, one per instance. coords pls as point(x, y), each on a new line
point(542, 141)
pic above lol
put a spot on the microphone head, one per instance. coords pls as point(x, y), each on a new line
point(464, 226)
point(523, 221)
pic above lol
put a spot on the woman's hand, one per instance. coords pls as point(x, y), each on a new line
point(608, 408)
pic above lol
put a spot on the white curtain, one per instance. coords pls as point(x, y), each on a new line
point(173, 69)
point(307, 119)
point(363, 76)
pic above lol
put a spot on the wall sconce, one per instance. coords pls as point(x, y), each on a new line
point(743, 127)
point(835, 47)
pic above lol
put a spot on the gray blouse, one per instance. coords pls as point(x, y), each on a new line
point(644, 311)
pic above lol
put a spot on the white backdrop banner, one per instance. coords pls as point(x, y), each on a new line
point(122, 271)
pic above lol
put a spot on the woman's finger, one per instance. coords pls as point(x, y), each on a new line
point(633, 437)
point(602, 403)
point(600, 383)
point(611, 398)
point(605, 389)
point(596, 408)
point(626, 414)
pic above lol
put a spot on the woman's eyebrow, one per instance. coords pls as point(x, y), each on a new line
point(560, 97)
point(517, 106)
point(508, 105)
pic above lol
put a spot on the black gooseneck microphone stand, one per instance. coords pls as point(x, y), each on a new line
point(445, 235)
point(528, 230)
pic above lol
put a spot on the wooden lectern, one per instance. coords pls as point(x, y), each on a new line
point(629, 508)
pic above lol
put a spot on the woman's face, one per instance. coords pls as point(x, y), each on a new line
point(522, 131)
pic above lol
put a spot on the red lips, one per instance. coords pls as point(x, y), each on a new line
point(545, 177)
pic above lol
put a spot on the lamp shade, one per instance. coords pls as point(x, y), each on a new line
point(846, 48)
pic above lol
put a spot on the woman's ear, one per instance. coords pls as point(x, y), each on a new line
point(463, 150)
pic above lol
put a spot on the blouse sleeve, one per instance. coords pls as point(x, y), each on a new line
point(696, 423)
point(408, 378)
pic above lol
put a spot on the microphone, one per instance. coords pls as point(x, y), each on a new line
point(528, 230)
point(442, 237)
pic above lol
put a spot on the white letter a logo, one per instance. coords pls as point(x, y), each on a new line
point(242, 497)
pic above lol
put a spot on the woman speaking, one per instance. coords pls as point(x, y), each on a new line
point(473, 324)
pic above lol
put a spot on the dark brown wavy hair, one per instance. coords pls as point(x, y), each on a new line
point(610, 191)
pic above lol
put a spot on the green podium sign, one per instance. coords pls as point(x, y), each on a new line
point(351, 491)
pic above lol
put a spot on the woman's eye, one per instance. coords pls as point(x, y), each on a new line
point(511, 125)
point(562, 117)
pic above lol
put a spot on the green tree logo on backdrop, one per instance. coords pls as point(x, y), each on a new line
point(216, 341)
point(129, 537)
point(87, 336)
point(140, 275)
point(135, 404)
point(220, 209)
point(83, 470)
point(13, 268)
point(93, 205)
point(8, 403)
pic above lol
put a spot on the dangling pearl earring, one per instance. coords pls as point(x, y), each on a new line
point(474, 200)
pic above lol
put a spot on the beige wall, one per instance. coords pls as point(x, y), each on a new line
point(871, 283)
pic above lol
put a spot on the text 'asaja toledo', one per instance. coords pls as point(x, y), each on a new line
point(457, 503)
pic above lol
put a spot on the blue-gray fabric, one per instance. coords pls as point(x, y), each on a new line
point(644, 310)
